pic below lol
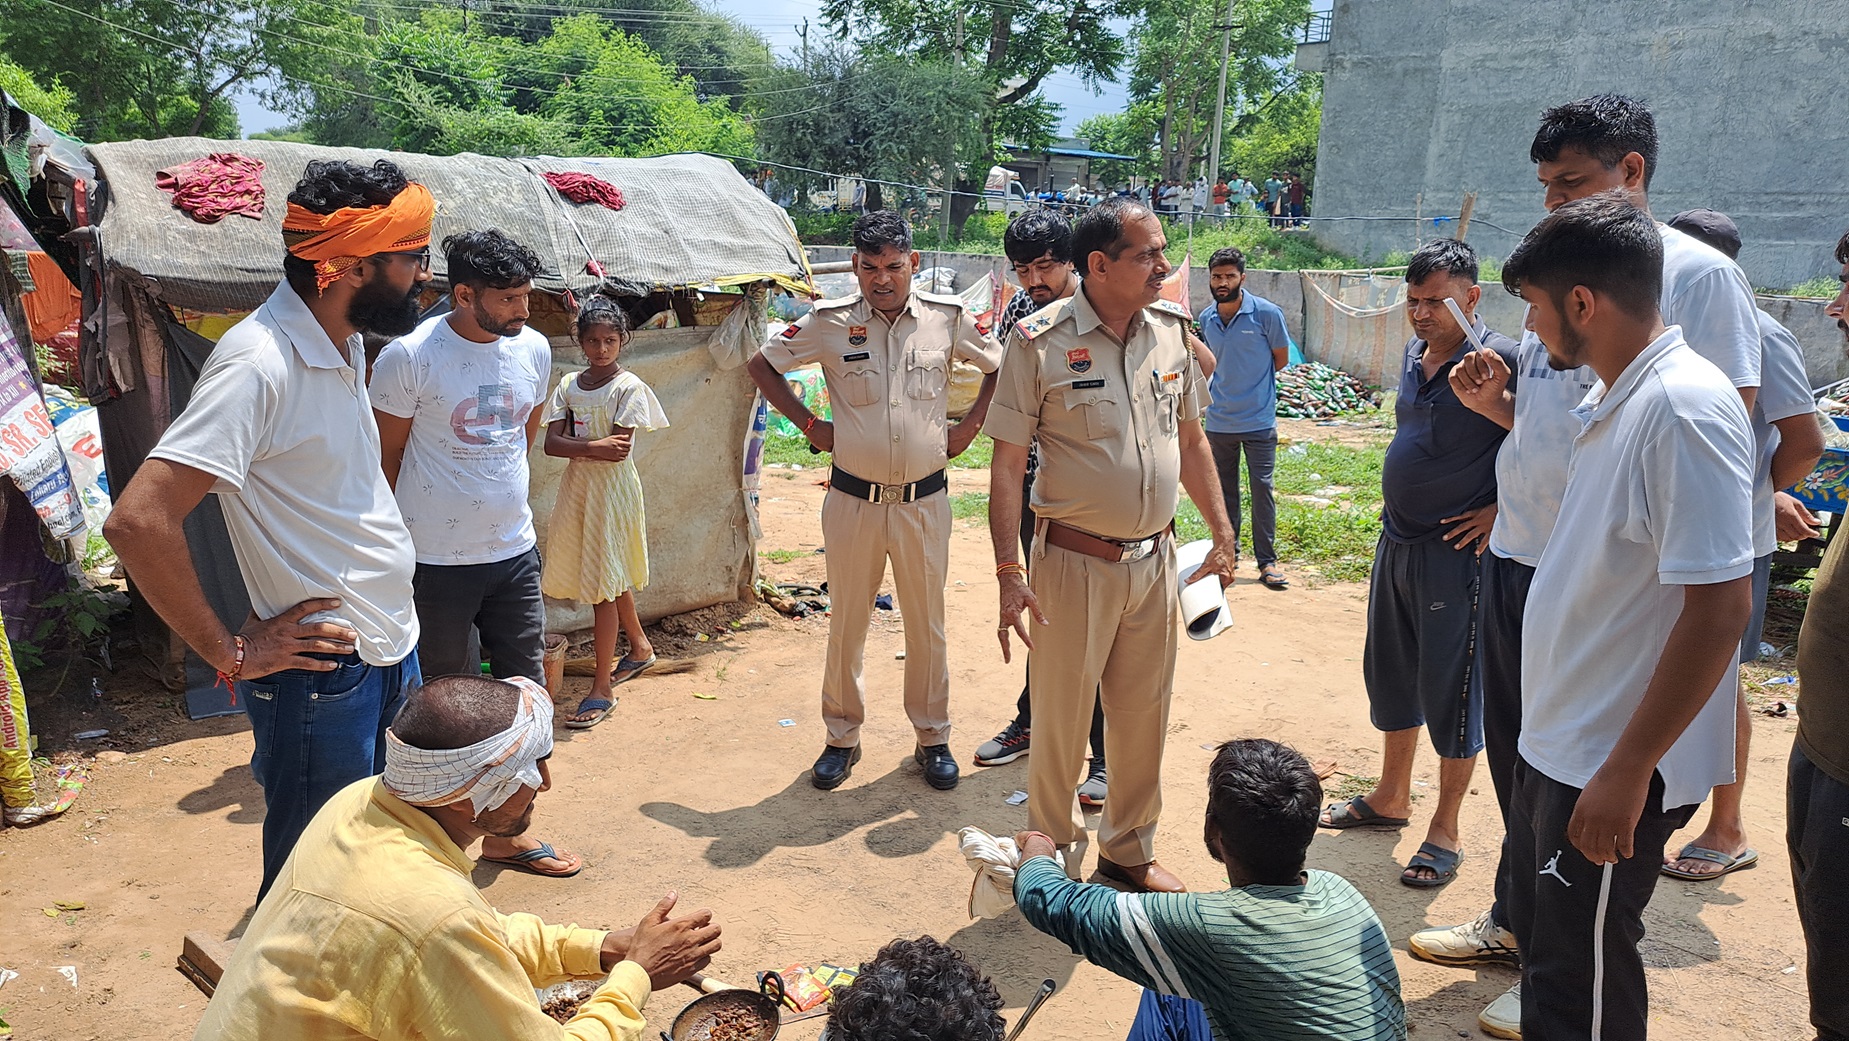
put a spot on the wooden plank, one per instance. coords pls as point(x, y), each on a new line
point(203, 958)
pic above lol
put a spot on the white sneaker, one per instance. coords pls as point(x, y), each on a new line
point(1481, 942)
point(1503, 1017)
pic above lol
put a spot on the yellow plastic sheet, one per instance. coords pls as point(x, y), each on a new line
point(15, 736)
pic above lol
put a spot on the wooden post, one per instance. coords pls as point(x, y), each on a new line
point(1418, 219)
point(1463, 215)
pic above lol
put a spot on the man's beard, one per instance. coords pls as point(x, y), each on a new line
point(378, 308)
point(1221, 296)
point(487, 323)
point(1571, 345)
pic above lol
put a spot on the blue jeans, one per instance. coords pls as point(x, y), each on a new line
point(315, 733)
point(1161, 1017)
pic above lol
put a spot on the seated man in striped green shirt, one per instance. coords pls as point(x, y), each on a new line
point(1281, 954)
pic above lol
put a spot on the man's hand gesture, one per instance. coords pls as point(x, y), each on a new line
point(1017, 600)
point(672, 949)
point(1480, 378)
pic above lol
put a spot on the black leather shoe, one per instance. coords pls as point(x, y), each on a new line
point(834, 766)
point(940, 767)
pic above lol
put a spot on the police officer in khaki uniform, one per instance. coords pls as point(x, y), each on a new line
point(886, 354)
point(1106, 380)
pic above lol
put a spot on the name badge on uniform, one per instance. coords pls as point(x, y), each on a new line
point(1087, 384)
point(1078, 359)
point(857, 356)
point(857, 335)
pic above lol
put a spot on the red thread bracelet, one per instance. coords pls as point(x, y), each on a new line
point(237, 667)
point(812, 418)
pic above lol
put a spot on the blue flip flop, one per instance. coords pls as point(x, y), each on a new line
point(597, 705)
point(525, 860)
point(629, 668)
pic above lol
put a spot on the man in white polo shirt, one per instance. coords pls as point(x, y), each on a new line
point(281, 430)
point(1633, 620)
point(1580, 148)
point(458, 402)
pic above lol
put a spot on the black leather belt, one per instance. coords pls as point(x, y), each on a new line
point(885, 493)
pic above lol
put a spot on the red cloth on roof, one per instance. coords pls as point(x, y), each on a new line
point(582, 187)
point(210, 189)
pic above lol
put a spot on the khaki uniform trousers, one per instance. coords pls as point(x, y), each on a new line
point(1112, 631)
point(860, 536)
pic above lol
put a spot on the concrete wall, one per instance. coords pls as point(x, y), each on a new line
point(1824, 352)
point(1442, 97)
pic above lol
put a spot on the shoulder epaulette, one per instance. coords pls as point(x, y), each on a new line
point(834, 303)
point(1046, 318)
point(946, 299)
point(1170, 307)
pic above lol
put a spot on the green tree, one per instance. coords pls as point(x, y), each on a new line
point(852, 112)
point(149, 68)
point(1130, 132)
point(1177, 49)
point(1013, 44)
point(1281, 135)
point(720, 53)
point(54, 104)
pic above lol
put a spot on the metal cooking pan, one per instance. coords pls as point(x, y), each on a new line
point(762, 1008)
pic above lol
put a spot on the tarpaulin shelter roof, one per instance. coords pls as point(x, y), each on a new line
point(687, 220)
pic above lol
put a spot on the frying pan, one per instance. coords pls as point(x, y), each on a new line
point(763, 1006)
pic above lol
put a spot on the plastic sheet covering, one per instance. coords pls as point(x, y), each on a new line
point(1356, 321)
point(699, 533)
point(688, 220)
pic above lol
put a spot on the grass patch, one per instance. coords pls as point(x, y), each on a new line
point(781, 556)
point(1823, 287)
point(786, 451)
point(1348, 786)
point(1336, 539)
point(969, 505)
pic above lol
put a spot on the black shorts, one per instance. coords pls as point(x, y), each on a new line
point(1420, 658)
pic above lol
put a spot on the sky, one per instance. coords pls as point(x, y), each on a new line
point(780, 22)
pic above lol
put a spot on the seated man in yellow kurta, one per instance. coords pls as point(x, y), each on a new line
point(374, 929)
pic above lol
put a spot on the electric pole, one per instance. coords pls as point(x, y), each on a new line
point(1219, 107)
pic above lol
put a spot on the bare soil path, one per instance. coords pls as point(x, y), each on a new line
point(712, 797)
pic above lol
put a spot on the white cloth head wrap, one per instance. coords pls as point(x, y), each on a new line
point(486, 773)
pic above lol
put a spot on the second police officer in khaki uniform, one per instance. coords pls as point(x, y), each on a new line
point(1106, 381)
point(886, 354)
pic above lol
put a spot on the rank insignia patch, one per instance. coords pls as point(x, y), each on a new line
point(1078, 359)
point(857, 335)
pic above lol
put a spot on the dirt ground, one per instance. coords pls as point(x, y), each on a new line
point(711, 797)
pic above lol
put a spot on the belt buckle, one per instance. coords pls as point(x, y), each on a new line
point(1135, 551)
point(890, 494)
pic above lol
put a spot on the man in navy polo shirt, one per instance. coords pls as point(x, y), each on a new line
point(1438, 491)
point(1246, 335)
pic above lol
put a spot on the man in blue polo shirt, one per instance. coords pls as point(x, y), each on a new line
point(1246, 335)
point(1438, 491)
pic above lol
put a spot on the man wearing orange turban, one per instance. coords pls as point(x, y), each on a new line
point(281, 429)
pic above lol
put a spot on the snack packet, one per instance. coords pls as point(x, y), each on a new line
point(801, 990)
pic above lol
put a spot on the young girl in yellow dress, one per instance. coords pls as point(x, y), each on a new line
point(597, 552)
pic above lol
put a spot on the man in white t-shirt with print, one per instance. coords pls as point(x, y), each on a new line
point(458, 402)
point(1581, 148)
point(1633, 621)
point(280, 429)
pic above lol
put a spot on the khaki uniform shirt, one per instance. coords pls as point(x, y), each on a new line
point(1107, 414)
point(888, 382)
